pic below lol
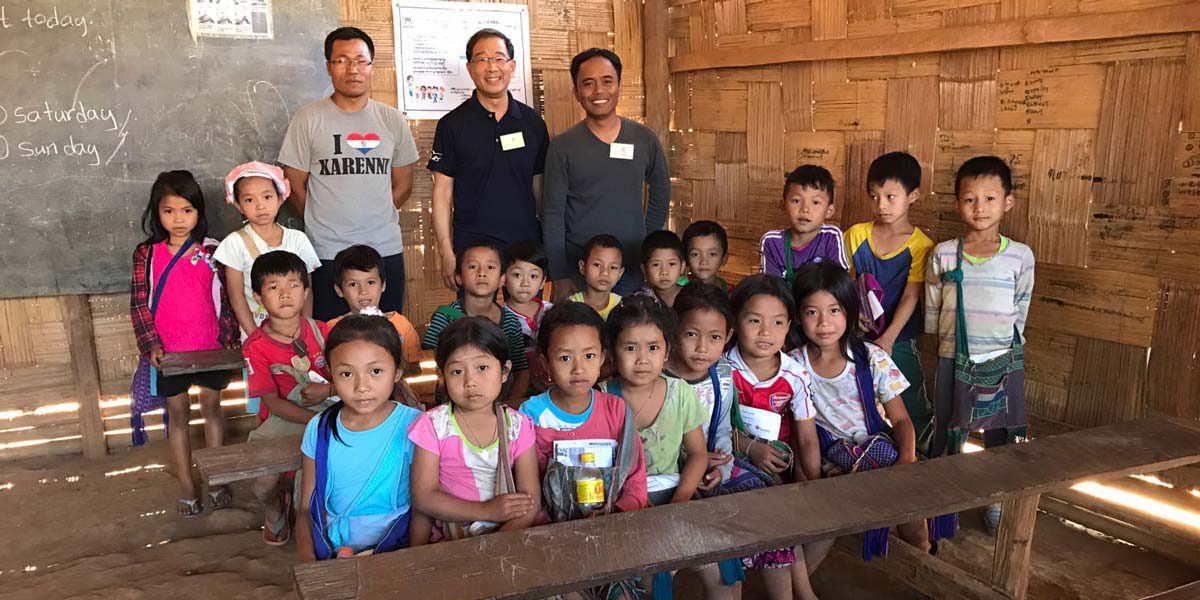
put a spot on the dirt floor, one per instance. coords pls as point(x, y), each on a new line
point(108, 529)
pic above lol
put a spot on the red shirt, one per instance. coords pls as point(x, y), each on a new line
point(261, 351)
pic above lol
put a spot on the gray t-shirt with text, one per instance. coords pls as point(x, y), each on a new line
point(349, 157)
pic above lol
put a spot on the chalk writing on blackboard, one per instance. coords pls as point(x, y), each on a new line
point(42, 19)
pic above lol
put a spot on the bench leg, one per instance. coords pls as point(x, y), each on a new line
point(1010, 566)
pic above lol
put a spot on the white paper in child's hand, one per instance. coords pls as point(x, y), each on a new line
point(315, 377)
point(568, 452)
point(762, 424)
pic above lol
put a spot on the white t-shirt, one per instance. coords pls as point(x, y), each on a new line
point(836, 399)
point(233, 253)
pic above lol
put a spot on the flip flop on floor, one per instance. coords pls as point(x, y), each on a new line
point(279, 532)
point(220, 497)
point(189, 508)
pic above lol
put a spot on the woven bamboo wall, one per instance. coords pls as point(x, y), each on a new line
point(1101, 135)
point(39, 405)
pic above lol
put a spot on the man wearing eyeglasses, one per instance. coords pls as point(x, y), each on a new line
point(350, 162)
point(487, 159)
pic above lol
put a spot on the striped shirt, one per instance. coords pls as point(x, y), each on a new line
point(997, 292)
point(510, 323)
point(828, 245)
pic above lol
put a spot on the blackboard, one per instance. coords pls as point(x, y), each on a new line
point(98, 97)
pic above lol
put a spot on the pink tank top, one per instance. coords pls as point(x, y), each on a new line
point(186, 318)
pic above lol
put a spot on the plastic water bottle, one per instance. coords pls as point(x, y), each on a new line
point(589, 485)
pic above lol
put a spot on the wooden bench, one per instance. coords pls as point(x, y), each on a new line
point(557, 558)
point(180, 363)
point(1190, 591)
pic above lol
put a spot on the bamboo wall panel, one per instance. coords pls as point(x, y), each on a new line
point(1101, 135)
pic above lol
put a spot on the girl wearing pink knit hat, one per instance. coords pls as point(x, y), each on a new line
point(257, 190)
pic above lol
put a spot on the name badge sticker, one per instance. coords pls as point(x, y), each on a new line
point(621, 151)
point(512, 141)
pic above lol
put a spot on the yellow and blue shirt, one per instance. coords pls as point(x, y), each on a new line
point(893, 271)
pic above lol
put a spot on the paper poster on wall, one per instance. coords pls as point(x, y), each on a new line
point(247, 19)
point(431, 46)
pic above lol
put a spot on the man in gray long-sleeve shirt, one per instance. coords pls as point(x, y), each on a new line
point(595, 175)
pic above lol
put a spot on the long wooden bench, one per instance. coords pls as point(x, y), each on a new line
point(180, 363)
point(557, 558)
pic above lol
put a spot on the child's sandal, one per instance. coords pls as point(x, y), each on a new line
point(278, 533)
point(220, 497)
point(189, 508)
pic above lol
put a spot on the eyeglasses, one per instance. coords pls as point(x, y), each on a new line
point(359, 64)
point(490, 60)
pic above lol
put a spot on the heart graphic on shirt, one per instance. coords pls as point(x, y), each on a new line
point(363, 142)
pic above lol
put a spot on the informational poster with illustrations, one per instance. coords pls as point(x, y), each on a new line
point(248, 19)
point(431, 45)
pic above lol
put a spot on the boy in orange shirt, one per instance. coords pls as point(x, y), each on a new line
point(361, 279)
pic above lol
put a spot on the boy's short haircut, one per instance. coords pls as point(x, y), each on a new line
point(706, 228)
point(565, 314)
point(810, 176)
point(703, 296)
point(530, 252)
point(900, 167)
point(486, 33)
point(277, 262)
point(589, 54)
point(359, 257)
point(461, 254)
point(662, 240)
point(602, 240)
point(345, 34)
point(985, 166)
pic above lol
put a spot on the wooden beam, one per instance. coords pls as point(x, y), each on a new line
point(181, 363)
point(222, 465)
point(657, 75)
point(1016, 32)
point(1173, 547)
point(1010, 565)
point(81, 340)
point(1190, 591)
point(927, 574)
point(563, 557)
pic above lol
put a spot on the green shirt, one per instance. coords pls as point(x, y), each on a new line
point(662, 440)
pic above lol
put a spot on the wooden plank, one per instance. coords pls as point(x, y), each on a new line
point(1097, 303)
point(1147, 520)
point(1139, 119)
point(862, 147)
point(887, 67)
point(1185, 182)
point(731, 147)
point(1049, 360)
point(77, 316)
point(927, 574)
point(1190, 591)
point(1063, 168)
point(1191, 92)
point(1014, 540)
point(828, 19)
point(1106, 383)
point(850, 106)
point(764, 131)
point(560, 107)
point(1147, 240)
point(1172, 380)
point(778, 14)
point(797, 97)
point(1016, 32)
point(913, 131)
point(656, 72)
point(180, 363)
point(719, 110)
point(562, 557)
point(628, 44)
point(236, 462)
point(1052, 97)
point(1176, 549)
point(692, 154)
point(823, 148)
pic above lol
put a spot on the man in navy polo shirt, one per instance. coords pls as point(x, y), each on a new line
point(487, 159)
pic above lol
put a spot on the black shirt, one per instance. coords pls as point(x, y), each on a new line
point(493, 187)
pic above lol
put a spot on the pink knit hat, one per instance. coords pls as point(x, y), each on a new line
point(257, 169)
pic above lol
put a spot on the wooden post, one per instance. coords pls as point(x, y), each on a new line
point(1010, 565)
point(655, 23)
point(77, 317)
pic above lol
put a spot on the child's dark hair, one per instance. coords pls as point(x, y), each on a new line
point(639, 310)
point(901, 167)
point(237, 186)
point(566, 314)
point(479, 332)
point(176, 183)
point(985, 166)
point(761, 284)
point(368, 328)
point(591, 53)
point(530, 252)
point(602, 240)
point(829, 277)
point(358, 257)
point(662, 240)
point(462, 254)
point(344, 34)
point(702, 296)
point(484, 34)
point(277, 262)
point(810, 176)
point(704, 228)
